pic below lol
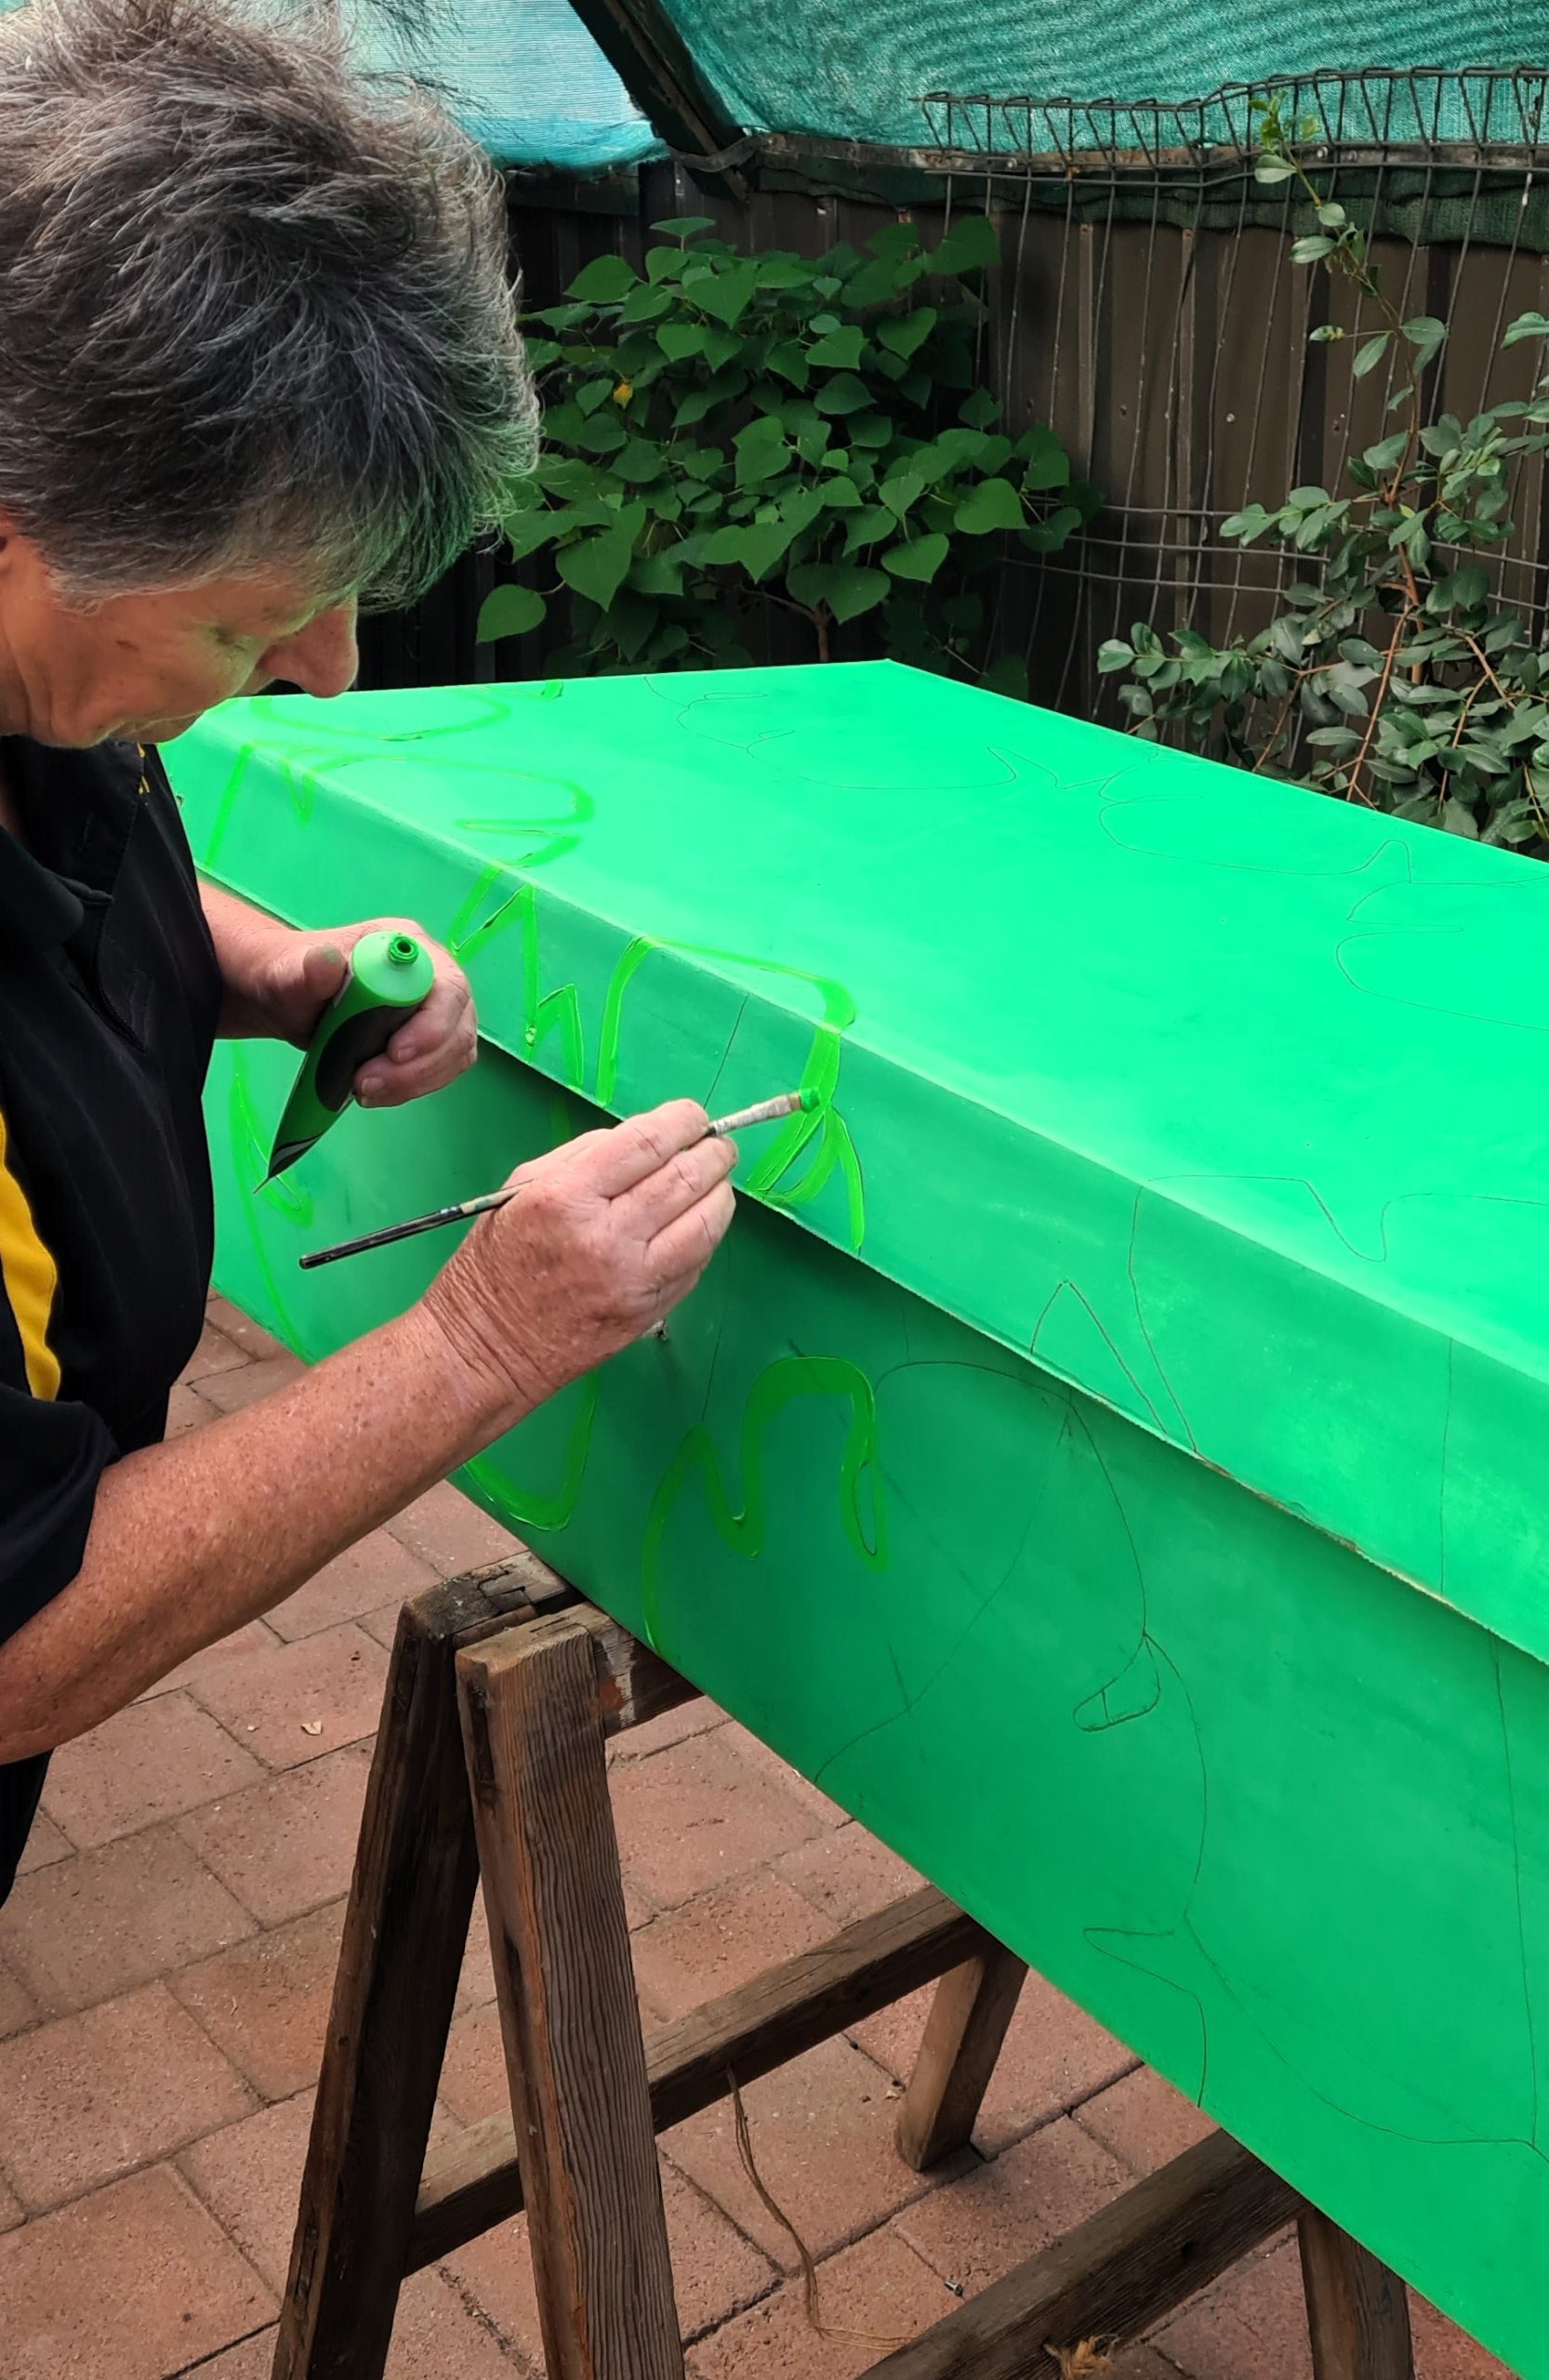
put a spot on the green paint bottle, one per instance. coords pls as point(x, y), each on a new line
point(390, 973)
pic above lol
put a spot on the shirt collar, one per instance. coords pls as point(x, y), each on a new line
point(78, 807)
point(38, 910)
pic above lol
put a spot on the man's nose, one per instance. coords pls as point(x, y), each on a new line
point(322, 658)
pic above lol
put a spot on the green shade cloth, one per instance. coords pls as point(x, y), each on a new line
point(523, 76)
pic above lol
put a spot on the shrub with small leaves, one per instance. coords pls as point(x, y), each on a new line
point(726, 431)
point(1390, 675)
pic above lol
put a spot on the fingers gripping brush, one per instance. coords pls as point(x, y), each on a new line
point(389, 974)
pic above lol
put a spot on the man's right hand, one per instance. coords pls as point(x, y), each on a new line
point(604, 1237)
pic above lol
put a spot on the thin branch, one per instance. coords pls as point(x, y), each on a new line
point(1354, 784)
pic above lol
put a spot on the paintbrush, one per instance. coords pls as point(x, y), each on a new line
point(768, 1111)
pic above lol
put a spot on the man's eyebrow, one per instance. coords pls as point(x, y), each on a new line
point(285, 624)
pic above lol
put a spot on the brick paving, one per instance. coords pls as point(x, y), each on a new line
point(164, 1968)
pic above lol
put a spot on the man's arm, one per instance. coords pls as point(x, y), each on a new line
point(249, 949)
point(189, 1539)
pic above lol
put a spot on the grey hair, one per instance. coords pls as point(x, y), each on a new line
point(256, 307)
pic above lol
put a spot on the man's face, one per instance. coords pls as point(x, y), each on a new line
point(147, 666)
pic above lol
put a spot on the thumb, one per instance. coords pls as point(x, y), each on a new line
point(323, 967)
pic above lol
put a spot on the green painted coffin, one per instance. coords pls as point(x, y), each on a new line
point(1111, 1454)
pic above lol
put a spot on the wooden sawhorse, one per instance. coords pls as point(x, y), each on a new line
point(512, 1787)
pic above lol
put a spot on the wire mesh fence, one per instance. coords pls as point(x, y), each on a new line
point(1146, 309)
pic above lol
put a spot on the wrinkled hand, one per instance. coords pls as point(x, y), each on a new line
point(434, 1045)
point(604, 1236)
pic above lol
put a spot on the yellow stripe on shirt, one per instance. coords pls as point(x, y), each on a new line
point(31, 1278)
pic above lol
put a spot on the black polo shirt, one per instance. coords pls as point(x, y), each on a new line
point(109, 998)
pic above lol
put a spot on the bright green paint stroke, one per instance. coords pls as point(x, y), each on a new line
point(250, 1146)
point(743, 1528)
point(301, 741)
point(295, 772)
point(543, 1013)
point(496, 1475)
point(821, 1122)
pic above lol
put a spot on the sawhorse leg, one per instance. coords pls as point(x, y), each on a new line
point(405, 1934)
point(963, 2036)
point(1357, 2310)
point(569, 2018)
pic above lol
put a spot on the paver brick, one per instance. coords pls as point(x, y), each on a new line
point(154, 1761)
point(377, 1571)
point(45, 1842)
point(436, 2337)
point(822, 2136)
point(251, 2358)
point(90, 2096)
point(872, 2296)
point(274, 1701)
point(698, 1717)
point(722, 1939)
point(1144, 2120)
point(1253, 2319)
point(186, 1409)
point(17, 2006)
point(131, 2284)
point(215, 1353)
point(698, 1814)
point(249, 2176)
point(249, 1336)
point(91, 1928)
point(448, 1530)
point(715, 2270)
point(256, 1638)
point(266, 2000)
point(288, 1844)
point(847, 1874)
point(976, 2229)
point(761, 1756)
point(1443, 2352)
point(234, 1391)
point(473, 2071)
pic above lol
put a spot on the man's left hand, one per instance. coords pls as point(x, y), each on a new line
point(277, 981)
point(436, 1042)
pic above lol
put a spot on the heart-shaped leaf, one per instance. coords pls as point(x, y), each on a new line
point(920, 558)
point(510, 611)
point(603, 282)
point(847, 589)
point(994, 504)
point(595, 566)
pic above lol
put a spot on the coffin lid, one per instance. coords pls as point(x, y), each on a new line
point(1226, 1102)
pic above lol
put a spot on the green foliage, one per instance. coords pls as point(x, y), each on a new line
point(1390, 675)
point(726, 431)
